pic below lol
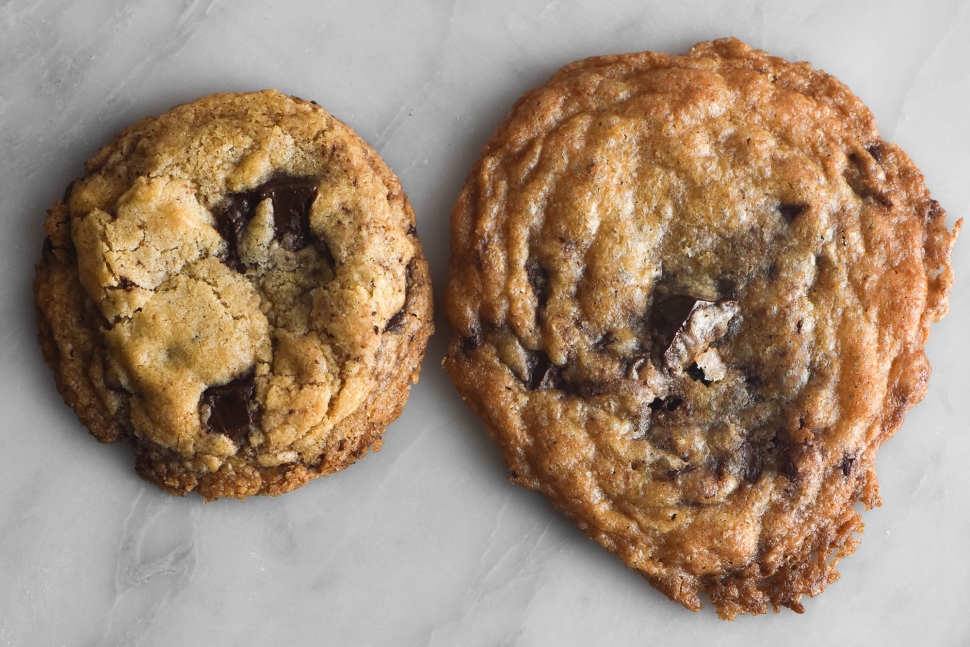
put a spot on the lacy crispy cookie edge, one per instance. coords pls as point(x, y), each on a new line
point(813, 566)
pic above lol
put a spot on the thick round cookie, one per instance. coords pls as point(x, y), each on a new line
point(689, 297)
point(237, 287)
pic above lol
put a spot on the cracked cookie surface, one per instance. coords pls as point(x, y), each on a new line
point(689, 297)
point(237, 287)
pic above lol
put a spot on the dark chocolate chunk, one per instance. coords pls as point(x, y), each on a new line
point(292, 198)
point(788, 455)
point(789, 468)
point(668, 316)
point(229, 410)
point(543, 374)
point(672, 403)
point(791, 211)
point(231, 220)
point(396, 323)
point(877, 151)
point(751, 462)
point(848, 464)
point(539, 280)
point(409, 276)
point(470, 342)
point(727, 288)
point(669, 403)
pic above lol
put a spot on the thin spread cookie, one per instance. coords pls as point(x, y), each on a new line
point(238, 288)
point(689, 297)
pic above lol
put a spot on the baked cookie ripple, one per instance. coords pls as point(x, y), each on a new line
point(689, 297)
point(237, 287)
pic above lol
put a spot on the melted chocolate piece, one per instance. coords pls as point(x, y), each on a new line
point(877, 151)
point(791, 211)
point(292, 198)
point(788, 454)
point(229, 412)
point(751, 462)
point(471, 342)
point(539, 280)
point(409, 276)
point(543, 374)
point(396, 323)
point(669, 315)
point(672, 403)
point(669, 403)
point(847, 464)
point(727, 289)
point(231, 221)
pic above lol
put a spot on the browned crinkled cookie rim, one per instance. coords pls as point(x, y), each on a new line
point(72, 325)
point(568, 398)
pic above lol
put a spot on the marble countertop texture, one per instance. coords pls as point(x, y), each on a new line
point(426, 542)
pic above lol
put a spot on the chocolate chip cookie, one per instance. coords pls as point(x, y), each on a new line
point(689, 297)
point(236, 287)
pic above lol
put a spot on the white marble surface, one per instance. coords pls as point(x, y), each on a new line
point(426, 543)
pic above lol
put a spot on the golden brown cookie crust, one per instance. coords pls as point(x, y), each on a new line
point(689, 297)
point(237, 287)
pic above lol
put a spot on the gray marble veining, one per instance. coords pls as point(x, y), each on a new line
point(426, 543)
